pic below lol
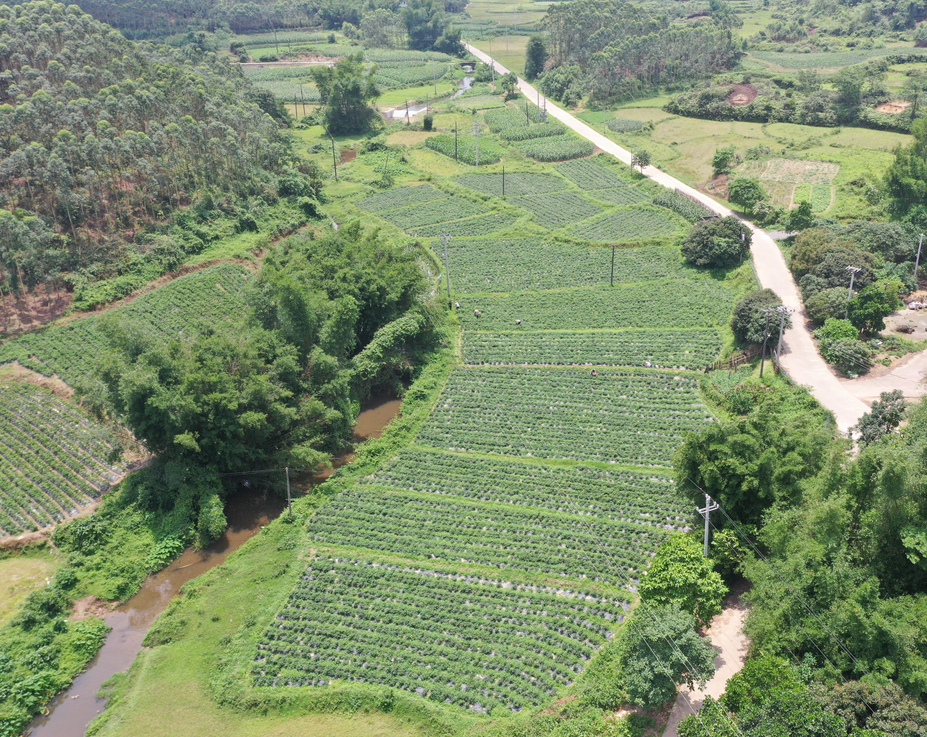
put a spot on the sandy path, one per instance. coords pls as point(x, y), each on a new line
point(728, 639)
point(800, 357)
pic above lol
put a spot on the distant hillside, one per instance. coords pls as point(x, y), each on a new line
point(102, 140)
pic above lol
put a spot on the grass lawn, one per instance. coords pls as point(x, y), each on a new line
point(22, 574)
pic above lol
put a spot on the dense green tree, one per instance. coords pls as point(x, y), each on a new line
point(347, 89)
point(746, 192)
point(641, 159)
point(535, 56)
point(826, 304)
point(886, 415)
point(906, 178)
point(662, 650)
point(750, 323)
point(425, 23)
point(869, 308)
point(801, 217)
point(680, 574)
point(717, 243)
point(724, 160)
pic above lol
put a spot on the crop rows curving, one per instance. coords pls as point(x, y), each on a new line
point(513, 117)
point(403, 74)
point(554, 211)
point(517, 183)
point(205, 299)
point(532, 131)
point(691, 211)
point(590, 174)
point(440, 211)
point(504, 537)
point(633, 223)
point(686, 349)
point(556, 148)
point(615, 417)
point(478, 643)
point(624, 125)
point(52, 459)
point(674, 303)
point(579, 490)
point(621, 196)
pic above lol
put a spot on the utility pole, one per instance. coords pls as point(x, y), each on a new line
point(917, 261)
point(853, 271)
point(527, 115)
point(455, 140)
point(476, 137)
point(612, 281)
point(445, 239)
point(710, 506)
point(334, 160)
point(503, 181)
point(767, 311)
point(289, 501)
point(506, 40)
point(407, 113)
point(434, 76)
point(783, 312)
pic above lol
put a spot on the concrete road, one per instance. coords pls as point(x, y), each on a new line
point(800, 357)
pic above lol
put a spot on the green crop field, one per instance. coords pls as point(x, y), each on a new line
point(688, 349)
point(591, 174)
point(517, 183)
point(491, 222)
point(615, 417)
point(53, 459)
point(204, 299)
point(553, 211)
point(633, 223)
point(556, 148)
point(518, 264)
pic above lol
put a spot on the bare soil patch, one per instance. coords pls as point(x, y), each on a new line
point(716, 186)
point(90, 606)
point(893, 107)
point(15, 371)
point(742, 94)
point(25, 312)
point(347, 155)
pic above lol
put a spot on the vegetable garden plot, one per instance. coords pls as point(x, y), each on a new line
point(290, 91)
point(403, 74)
point(556, 148)
point(523, 539)
point(491, 222)
point(621, 196)
point(517, 183)
point(532, 131)
point(430, 213)
point(512, 117)
point(185, 306)
point(468, 150)
point(687, 349)
point(691, 211)
point(517, 264)
point(606, 494)
point(634, 223)
point(669, 303)
point(398, 197)
point(478, 643)
point(53, 460)
point(553, 211)
point(590, 174)
point(615, 417)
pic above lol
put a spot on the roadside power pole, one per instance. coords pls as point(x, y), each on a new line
point(710, 506)
point(455, 140)
point(503, 181)
point(917, 261)
point(289, 501)
point(445, 239)
point(612, 280)
point(334, 160)
point(783, 312)
point(853, 271)
point(476, 137)
point(767, 311)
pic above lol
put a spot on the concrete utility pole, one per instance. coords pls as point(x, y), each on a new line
point(710, 506)
point(289, 501)
point(853, 271)
point(767, 311)
point(783, 312)
point(455, 140)
point(334, 160)
point(917, 261)
point(445, 239)
point(476, 137)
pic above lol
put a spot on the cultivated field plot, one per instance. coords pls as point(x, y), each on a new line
point(466, 149)
point(458, 531)
point(790, 181)
point(828, 59)
point(553, 211)
point(397, 197)
point(685, 349)
point(673, 303)
point(431, 213)
point(53, 460)
point(633, 223)
point(185, 306)
point(516, 264)
point(616, 417)
point(621, 196)
point(491, 222)
point(517, 183)
point(590, 174)
point(556, 148)
point(691, 211)
point(473, 642)
point(514, 117)
point(532, 131)
point(583, 490)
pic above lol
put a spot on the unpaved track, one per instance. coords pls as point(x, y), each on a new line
point(800, 357)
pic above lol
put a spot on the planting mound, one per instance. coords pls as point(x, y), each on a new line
point(742, 94)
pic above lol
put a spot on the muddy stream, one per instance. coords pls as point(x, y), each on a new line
point(70, 712)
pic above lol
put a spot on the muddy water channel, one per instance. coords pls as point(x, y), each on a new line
point(71, 711)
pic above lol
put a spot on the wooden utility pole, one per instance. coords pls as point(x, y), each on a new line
point(334, 160)
point(289, 501)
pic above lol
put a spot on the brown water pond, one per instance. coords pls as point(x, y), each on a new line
point(69, 713)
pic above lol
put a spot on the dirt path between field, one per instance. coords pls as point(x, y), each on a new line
point(800, 357)
point(728, 639)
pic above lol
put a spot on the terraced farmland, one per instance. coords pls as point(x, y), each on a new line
point(53, 459)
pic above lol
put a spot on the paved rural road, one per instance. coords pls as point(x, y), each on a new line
point(800, 357)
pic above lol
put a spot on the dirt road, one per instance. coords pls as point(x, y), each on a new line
point(800, 357)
